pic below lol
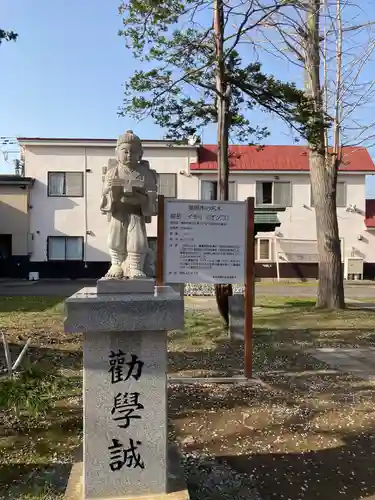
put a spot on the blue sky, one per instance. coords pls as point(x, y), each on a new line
point(64, 75)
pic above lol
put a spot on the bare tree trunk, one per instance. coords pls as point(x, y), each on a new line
point(222, 103)
point(338, 96)
point(222, 292)
point(323, 174)
point(324, 180)
point(325, 73)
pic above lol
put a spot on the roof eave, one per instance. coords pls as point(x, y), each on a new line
point(275, 172)
point(17, 181)
point(109, 143)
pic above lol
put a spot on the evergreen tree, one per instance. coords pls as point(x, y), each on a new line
point(174, 41)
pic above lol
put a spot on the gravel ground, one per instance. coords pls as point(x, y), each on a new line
point(210, 479)
point(305, 433)
point(207, 479)
point(297, 438)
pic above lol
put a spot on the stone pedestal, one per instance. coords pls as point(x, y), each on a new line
point(125, 448)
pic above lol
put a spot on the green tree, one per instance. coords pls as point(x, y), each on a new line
point(177, 87)
point(195, 75)
point(7, 36)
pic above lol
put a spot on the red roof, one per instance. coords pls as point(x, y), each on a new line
point(370, 213)
point(278, 158)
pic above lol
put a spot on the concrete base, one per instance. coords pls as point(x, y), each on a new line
point(90, 311)
point(115, 286)
point(177, 489)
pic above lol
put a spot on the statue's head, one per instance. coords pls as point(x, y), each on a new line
point(129, 149)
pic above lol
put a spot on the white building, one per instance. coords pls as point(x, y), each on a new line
point(69, 234)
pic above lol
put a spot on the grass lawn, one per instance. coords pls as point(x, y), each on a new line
point(283, 327)
point(278, 431)
point(37, 443)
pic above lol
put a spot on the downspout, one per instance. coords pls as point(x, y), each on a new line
point(275, 248)
point(85, 212)
point(30, 236)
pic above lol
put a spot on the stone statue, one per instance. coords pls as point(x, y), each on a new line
point(130, 200)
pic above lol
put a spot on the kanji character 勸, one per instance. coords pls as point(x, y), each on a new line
point(117, 367)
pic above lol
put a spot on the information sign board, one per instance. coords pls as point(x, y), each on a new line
point(204, 241)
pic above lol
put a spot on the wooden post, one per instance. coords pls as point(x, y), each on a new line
point(160, 242)
point(249, 288)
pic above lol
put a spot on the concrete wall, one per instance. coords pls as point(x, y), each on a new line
point(52, 216)
point(14, 217)
point(298, 221)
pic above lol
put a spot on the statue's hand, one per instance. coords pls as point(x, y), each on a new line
point(137, 197)
point(141, 196)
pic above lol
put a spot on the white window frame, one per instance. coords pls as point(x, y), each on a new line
point(279, 251)
point(257, 249)
point(272, 204)
point(172, 175)
point(272, 194)
point(65, 238)
point(65, 174)
point(337, 206)
point(233, 183)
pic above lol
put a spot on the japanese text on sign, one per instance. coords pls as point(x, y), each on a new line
point(204, 242)
point(126, 407)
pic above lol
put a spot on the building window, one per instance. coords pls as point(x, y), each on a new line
point(65, 248)
point(209, 190)
point(168, 185)
point(340, 195)
point(263, 249)
point(65, 184)
point(275, 193)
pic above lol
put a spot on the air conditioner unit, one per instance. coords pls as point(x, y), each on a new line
point(352, 208)
point(353, 268)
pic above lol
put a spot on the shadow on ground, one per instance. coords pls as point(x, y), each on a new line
point(50, 358)
point(272, 350)
point(343, 472)
point(225, 359)
point(36, 479)
point(37, 450)
point(298, 441)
